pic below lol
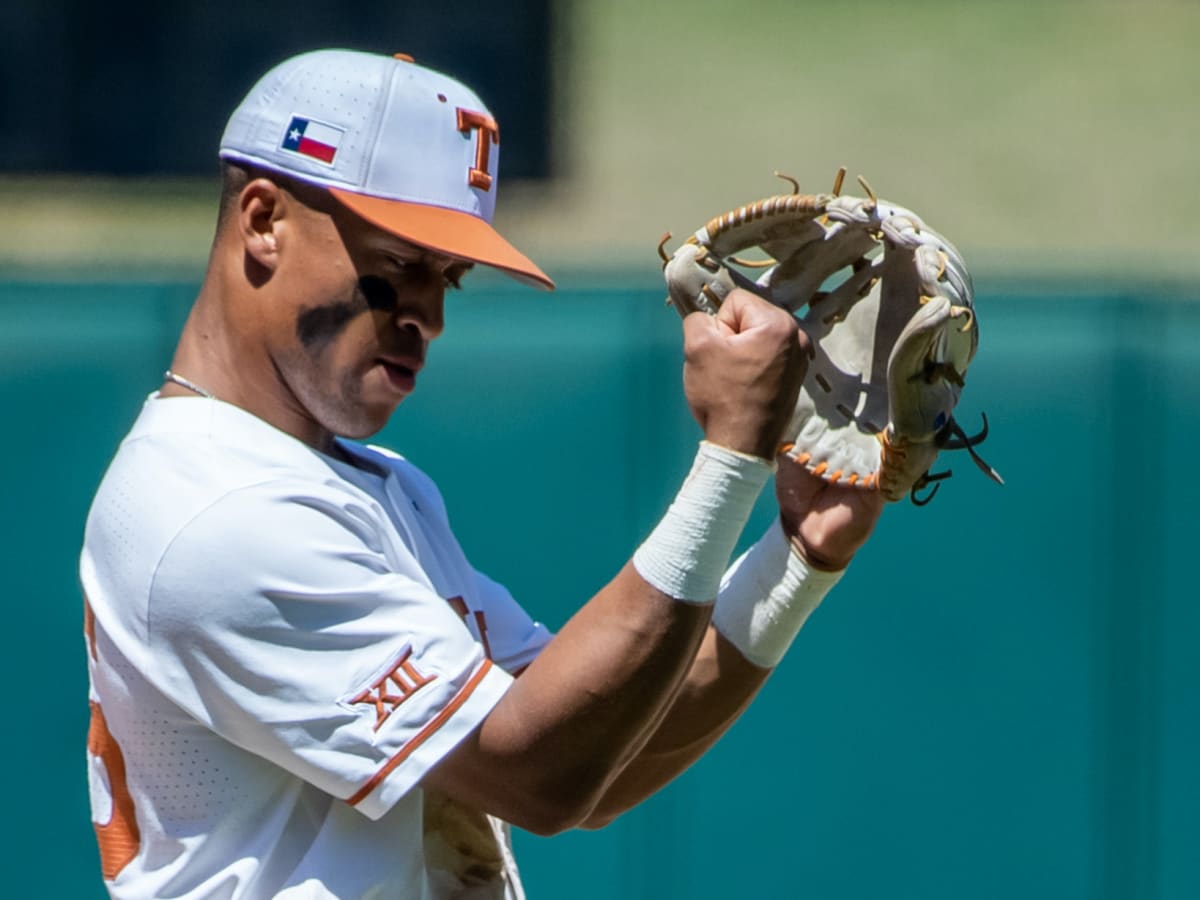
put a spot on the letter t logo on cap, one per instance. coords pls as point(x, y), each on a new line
point(488, 133)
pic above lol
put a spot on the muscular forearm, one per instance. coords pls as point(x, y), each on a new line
point(578, 713)
point(718, 687)
point(559, 737)
point(584, 708)
point(765, 598)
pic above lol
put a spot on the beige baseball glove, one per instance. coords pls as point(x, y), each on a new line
point(887, 304)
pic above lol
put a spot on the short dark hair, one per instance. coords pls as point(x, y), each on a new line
point(235, 176)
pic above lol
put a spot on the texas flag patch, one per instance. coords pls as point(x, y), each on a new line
point(313, 139)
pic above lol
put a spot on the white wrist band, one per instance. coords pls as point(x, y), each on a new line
point(766, 596)
point(686, 554)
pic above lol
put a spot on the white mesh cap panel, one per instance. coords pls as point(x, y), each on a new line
point(340, 89)
point(394, 125)
point(421, 155)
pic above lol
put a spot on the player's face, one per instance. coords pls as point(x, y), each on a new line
point(365, 306)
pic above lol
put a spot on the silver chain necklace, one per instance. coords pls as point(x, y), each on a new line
point(190, 385)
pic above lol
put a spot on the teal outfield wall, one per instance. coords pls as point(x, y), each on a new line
point(1002, 698)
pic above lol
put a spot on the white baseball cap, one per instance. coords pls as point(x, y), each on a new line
point(406, 148)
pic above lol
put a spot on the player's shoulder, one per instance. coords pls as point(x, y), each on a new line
point(184, 443)
point(185, 456)
point(414, 481)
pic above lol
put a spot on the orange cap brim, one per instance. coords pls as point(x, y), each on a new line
point(447, 231)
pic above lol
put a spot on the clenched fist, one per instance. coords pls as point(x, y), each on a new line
point(742, 372)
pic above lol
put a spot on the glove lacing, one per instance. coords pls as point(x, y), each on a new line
point(951, 437)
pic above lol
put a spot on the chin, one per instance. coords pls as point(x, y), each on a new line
point(367, 423)
point(355, 410)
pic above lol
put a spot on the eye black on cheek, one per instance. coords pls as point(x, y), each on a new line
point(378, 293)
point(318, 325)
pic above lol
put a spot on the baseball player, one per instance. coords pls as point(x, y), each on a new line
point(300, 687)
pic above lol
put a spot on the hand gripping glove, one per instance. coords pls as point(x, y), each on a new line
point(888, 307)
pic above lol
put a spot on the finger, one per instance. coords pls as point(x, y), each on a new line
point(742, 311)
point(699, 326)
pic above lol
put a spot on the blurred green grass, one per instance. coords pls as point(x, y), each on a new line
point(1044, 138)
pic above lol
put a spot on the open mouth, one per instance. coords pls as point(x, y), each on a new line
point(400, 376)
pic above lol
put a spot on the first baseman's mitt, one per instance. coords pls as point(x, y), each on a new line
point(891, 333)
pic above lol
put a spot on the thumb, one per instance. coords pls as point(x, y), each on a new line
point(743, 311)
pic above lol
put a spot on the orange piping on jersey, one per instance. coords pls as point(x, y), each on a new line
point(119, 837)
point(89, 627)
point(434, 724)
point(481, 624)
point(459, 605)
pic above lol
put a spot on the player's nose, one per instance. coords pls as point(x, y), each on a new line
point(425, 314)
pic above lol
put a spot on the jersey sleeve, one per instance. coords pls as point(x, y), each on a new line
point(515, 638)
point(293, 623)
point(511, 637)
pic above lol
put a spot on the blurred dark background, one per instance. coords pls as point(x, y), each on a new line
point(145, 88)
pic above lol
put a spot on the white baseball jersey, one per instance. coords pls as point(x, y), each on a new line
point(280, 646)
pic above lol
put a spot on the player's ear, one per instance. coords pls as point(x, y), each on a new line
point(261, 207)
